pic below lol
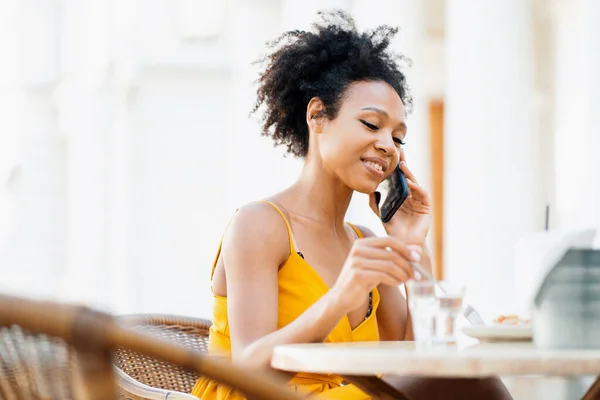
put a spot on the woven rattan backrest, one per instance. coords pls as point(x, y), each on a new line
point(254, 384)
point(191, 333)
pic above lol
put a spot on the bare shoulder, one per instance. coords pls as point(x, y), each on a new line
point(258, 232)
point(365, 231)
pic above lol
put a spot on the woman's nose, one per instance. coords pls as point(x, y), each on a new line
point(386, 145)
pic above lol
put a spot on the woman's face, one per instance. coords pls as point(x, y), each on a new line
point(362, 144)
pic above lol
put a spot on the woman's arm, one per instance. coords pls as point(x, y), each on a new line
point(255, 246)
point(393, 317)
point(392, 313)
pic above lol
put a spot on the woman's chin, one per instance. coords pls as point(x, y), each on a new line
point(366, 188)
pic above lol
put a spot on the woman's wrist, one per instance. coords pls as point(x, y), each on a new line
point(405, 234)
point(336, 302)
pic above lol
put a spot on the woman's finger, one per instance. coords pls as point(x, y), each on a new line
point(418, 193)
point(385, 242)
point(407, 172)
point(372, 279)
point(387, 267)
point(377, 253)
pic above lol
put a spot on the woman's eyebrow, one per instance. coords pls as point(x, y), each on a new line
point(401, 125)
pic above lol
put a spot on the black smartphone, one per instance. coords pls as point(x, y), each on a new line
point(393, 192)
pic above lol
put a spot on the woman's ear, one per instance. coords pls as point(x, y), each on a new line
point(315, 114)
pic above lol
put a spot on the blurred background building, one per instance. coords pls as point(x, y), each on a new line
point(125, 142)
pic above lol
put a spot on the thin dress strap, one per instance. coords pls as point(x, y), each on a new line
point(355, 228)
point(287, 224)
point(216, 259)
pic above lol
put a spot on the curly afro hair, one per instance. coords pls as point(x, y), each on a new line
point(322, 63)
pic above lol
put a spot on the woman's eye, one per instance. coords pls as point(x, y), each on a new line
point(399, 141)
point(374, 127)
point(369, 125)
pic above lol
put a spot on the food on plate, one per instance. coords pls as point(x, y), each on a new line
point(511, 320)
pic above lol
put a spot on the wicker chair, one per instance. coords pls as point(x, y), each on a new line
point(52, 351)
point(32, 367)
point(142, 377)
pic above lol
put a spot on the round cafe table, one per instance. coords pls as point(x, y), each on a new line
point(363, 363)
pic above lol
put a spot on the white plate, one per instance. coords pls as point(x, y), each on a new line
point(499, 332)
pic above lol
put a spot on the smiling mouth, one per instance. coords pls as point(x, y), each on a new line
point(375, 169)
point(374, 165)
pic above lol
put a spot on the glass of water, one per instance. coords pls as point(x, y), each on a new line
point(448, 312)
point(422, 304)
point(435, 311)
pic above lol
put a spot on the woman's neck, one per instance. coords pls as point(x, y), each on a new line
point(321, 197)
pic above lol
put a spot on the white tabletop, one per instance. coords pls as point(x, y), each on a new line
point(402, 358)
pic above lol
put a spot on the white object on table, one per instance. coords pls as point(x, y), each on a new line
point(500, 332)
point(537, 254)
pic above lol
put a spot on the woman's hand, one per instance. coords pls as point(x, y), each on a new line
point(412, 221)
point(373, 261)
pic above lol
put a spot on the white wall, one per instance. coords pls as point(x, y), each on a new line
point(492, 196)
point(576, 103)
point(33, 167)
point(178, 128)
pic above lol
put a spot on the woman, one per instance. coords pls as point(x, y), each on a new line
point(290, 269)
